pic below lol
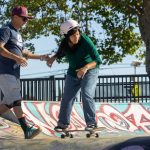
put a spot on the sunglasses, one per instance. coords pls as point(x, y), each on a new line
point(25, 19)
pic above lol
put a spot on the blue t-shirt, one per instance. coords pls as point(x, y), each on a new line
point(13, 43)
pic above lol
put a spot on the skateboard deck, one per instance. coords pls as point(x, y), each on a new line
point(69, 133)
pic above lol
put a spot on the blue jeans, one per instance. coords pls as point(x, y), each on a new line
point(71, 89)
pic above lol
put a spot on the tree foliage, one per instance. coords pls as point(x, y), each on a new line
point(112, 24)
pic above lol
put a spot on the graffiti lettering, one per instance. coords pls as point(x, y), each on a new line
point(115, 117)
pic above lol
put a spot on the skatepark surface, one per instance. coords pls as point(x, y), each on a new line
point(127, 128)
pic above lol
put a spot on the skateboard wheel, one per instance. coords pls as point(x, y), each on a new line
point(62, 136)
point(88, 135)
point(71, 135)
point(96, 135)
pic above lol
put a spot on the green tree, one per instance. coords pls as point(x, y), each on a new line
point(113, 25)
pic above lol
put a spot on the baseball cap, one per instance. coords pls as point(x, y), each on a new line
point(21, 11)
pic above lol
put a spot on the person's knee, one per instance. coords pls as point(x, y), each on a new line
point(3, 108)
point(17, 103)
point(14, 104)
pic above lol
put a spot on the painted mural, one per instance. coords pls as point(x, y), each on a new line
point(132, 117)
point(3, 124)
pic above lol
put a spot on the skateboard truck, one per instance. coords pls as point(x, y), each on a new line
point(91, 133)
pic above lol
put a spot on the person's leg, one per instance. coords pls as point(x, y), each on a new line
point(18, 112)
point(10, 87)
point(3, 109)
point(12, 97)
point(88, 86)
point(29, 132)
point(72, 86)
point(20, 115)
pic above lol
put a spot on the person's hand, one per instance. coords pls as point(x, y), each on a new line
point(50, 61)
point(81, 72)
point(21, 61)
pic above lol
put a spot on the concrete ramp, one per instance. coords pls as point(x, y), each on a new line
point(11, 138)
point(10, 130)
point(127, 128)
point(133, 118)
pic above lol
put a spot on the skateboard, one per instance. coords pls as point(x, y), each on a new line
point(89, 133)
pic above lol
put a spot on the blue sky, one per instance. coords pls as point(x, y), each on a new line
point(44, 45)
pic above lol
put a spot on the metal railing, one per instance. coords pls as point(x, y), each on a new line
point(118, 88)
point(123, 88)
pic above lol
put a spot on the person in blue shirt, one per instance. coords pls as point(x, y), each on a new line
point(82, 74)
point(12, 56)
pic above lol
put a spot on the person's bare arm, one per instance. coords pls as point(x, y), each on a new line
point(4, 52)
point(29, 55)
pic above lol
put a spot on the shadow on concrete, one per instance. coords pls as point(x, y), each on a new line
point(138, 143)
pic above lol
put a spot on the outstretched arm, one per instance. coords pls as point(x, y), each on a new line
point(29, 55)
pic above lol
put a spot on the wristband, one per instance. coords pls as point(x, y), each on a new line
point(41, 58)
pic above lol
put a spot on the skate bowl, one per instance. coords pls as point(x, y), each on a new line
point(127, 125)
point(116, 118)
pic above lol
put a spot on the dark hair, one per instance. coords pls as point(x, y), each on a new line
point(64, 46)
point(61, 50)
point(72, 31)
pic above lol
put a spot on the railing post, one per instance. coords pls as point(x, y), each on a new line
point(53, 88)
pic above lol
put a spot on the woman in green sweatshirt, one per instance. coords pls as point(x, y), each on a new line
point(84, 61)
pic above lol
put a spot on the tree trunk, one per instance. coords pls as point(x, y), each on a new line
point(144, 26)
